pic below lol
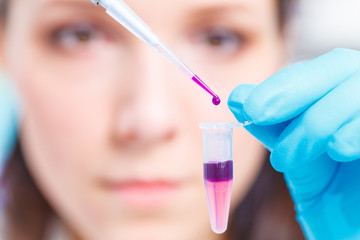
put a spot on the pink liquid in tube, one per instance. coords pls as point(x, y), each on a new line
point(218, 178)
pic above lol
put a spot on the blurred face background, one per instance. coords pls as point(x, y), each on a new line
point(109, 129)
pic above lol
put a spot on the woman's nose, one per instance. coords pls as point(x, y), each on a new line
point(149, 115)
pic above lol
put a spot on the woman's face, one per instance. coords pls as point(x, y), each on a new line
point(110, 129)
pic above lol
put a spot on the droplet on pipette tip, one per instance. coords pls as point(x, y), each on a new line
point(216, 100)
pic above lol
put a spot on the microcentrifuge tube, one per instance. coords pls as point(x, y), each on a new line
point(218, 171)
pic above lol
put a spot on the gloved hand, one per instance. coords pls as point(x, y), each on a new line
point(308, 116)
point(8, 119)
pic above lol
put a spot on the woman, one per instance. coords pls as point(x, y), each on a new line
point(109, 140)
point(109, 119)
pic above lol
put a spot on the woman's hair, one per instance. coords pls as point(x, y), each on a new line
point(3, 9)
point(266, 213)
point(27, 213)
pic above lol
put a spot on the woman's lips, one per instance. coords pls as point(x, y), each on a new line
point(144, 193)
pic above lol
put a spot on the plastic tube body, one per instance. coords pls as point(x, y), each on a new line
point(218, 171)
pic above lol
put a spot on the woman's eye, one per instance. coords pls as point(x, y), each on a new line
point(77, 36)
point(220, 40)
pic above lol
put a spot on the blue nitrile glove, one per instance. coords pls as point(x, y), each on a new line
point(308, 116)
point(8, 120)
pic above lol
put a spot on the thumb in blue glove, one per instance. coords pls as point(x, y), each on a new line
point(308, 116)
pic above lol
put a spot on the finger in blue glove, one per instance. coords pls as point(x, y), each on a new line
point(307, 116)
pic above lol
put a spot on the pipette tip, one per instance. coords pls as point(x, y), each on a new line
point(216, 100)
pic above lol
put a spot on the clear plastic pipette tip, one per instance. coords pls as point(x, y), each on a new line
point(172, 58)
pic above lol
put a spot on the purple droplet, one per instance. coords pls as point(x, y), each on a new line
point(216, 100)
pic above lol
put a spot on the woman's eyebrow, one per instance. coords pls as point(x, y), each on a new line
point(223, 6)
point(70, 3)
point(239, 10)
point(57, 9)
point(243, 12)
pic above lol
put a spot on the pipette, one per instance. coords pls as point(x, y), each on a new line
point(118, 10)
